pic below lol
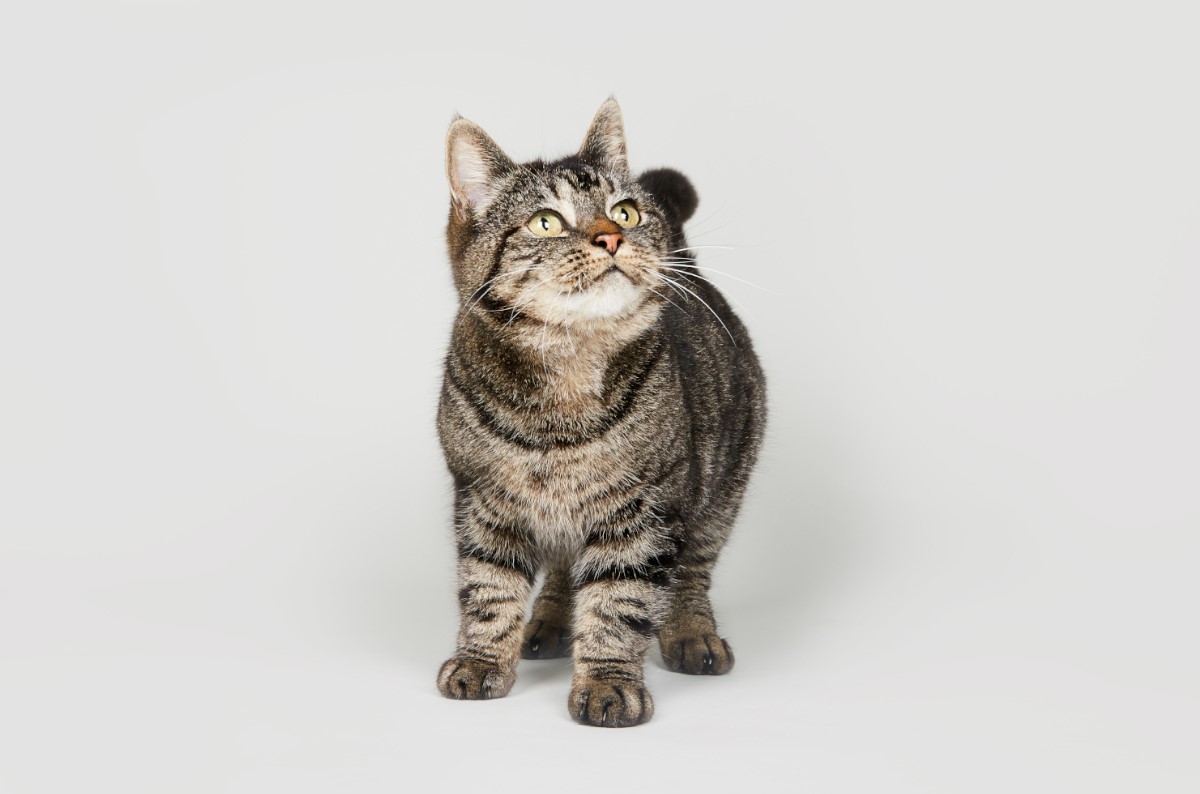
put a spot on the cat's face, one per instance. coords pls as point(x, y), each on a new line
point(576, 243)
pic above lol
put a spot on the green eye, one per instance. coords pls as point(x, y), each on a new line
point(546, 224)
point(625, 214)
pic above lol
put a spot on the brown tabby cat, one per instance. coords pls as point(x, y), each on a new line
point(601, 411)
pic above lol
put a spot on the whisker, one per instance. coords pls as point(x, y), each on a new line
point(664, 297)
point(487, 285)
point(521, 304)
point(691, 227)
point(741, 306)
point(671, 284)
point(705, 304)
point(707, 269)
point(707, 232)
point(702, 247)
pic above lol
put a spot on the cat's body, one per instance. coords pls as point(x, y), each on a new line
point(599, 422)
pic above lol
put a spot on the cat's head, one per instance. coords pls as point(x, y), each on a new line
point(577, 243)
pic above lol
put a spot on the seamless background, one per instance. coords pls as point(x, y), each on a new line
point(964, 237)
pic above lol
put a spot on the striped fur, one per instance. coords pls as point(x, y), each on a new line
point(600, 414)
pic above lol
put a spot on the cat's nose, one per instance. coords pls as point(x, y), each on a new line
point(610, 241)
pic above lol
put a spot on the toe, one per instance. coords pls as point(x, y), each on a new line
point(609, 703)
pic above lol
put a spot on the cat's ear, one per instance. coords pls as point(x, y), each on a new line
point(474, 164)
point(604, 143)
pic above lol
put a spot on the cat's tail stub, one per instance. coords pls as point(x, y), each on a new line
point(673, 192)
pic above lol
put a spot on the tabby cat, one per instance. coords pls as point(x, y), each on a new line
point(601, 411)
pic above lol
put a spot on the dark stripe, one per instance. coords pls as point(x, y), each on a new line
point(482, 387)
point(498, 257)
point(656, 570)
point(612, 673)
point(484, 603)
point(666, 473)
point(489, 420)
point(493, 306)
point(504, 635)
point(488, 302)
point(627, 512)
point(511, 535)
point(643, 626)
point(580, 176)
point(464, 593)
point(511, 563)
point(620, 523)
point(485, 418)
point(634, 385)
point(603, 660)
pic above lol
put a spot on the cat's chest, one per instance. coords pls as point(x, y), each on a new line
point(559, 493)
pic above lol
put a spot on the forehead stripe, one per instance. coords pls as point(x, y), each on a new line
point(581, 177)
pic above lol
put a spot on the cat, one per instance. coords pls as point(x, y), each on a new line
point(601, 410)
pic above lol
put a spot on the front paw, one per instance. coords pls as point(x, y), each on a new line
point(545, 641)
point(474, 679)
point(610, 703)
point(699, 654)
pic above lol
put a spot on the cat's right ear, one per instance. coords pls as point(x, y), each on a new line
point(604, 143)
point(474, 164)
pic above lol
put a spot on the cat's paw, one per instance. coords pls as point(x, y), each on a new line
point(610, 703)
point(473, 679)
point(545, 641)
point(701, 654)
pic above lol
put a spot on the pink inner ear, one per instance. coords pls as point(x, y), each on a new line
point(471, 181)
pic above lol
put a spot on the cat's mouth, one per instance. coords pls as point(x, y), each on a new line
point(612, 270)
point(611, 292)
point(609, 277)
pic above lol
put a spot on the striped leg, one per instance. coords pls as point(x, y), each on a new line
point(623, 575)
point(548, 635)
point(688, 636)
point(496, 569)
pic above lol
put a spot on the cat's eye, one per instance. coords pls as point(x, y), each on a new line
point(625, 214)
point(546, 224)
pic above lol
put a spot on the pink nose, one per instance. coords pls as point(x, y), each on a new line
point(609, 241)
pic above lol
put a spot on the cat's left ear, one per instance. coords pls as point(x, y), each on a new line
point(604, 143)
point(474, 164)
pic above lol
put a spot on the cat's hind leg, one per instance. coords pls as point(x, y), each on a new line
point(548, 633)
point(688, 637)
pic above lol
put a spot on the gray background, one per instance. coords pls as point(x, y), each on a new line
point(967, 561)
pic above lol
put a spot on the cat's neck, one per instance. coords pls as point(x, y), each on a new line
point(559, 365)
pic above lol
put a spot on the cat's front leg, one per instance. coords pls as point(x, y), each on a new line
point(496, 569)
point(623, 576)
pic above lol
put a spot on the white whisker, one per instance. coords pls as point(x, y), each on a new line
point(670, 283)
point(741, 306)
point(703, 247)
point(707, 269)
point(691, 228)
point(664, 297)
point(705, 304)
point(486, 287)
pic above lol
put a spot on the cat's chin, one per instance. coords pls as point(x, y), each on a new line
point(612, 297)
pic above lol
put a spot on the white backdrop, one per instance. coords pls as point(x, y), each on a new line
point(967, 562)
